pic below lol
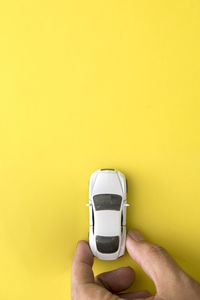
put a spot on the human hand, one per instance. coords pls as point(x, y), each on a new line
point(171, 282)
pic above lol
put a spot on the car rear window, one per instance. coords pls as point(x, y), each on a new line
point(107, 202)
point(107, 244)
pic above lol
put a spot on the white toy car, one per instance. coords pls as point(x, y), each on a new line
point(107, 213)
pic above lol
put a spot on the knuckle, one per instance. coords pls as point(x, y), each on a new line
point(154, 249)
point(78, 291)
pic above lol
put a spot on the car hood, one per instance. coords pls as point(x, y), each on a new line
point(107, 183)
point(107, 223)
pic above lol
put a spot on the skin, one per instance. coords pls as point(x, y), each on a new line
point(171, 282)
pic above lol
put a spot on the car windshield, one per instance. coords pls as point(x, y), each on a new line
point(107, 202)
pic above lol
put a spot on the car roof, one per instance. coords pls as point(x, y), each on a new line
point(107, 222)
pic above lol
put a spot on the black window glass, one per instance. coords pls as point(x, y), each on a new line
point(107, 244)
point(107, 202)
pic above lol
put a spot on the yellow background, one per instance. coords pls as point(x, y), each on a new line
point(87, 85)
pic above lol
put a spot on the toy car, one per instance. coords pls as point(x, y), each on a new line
point(107, 213)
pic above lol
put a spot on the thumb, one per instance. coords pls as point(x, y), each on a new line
point(81, 271)
point(154, 260)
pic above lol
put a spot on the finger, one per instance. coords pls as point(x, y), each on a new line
point(116, 280)
point(81, 271)
point(153, 259)
point(148, 298)
point(136, 235)
point(136, 295)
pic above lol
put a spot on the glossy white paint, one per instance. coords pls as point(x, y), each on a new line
point(107, 222)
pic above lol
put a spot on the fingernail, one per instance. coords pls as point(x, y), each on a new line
point(136, 235)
